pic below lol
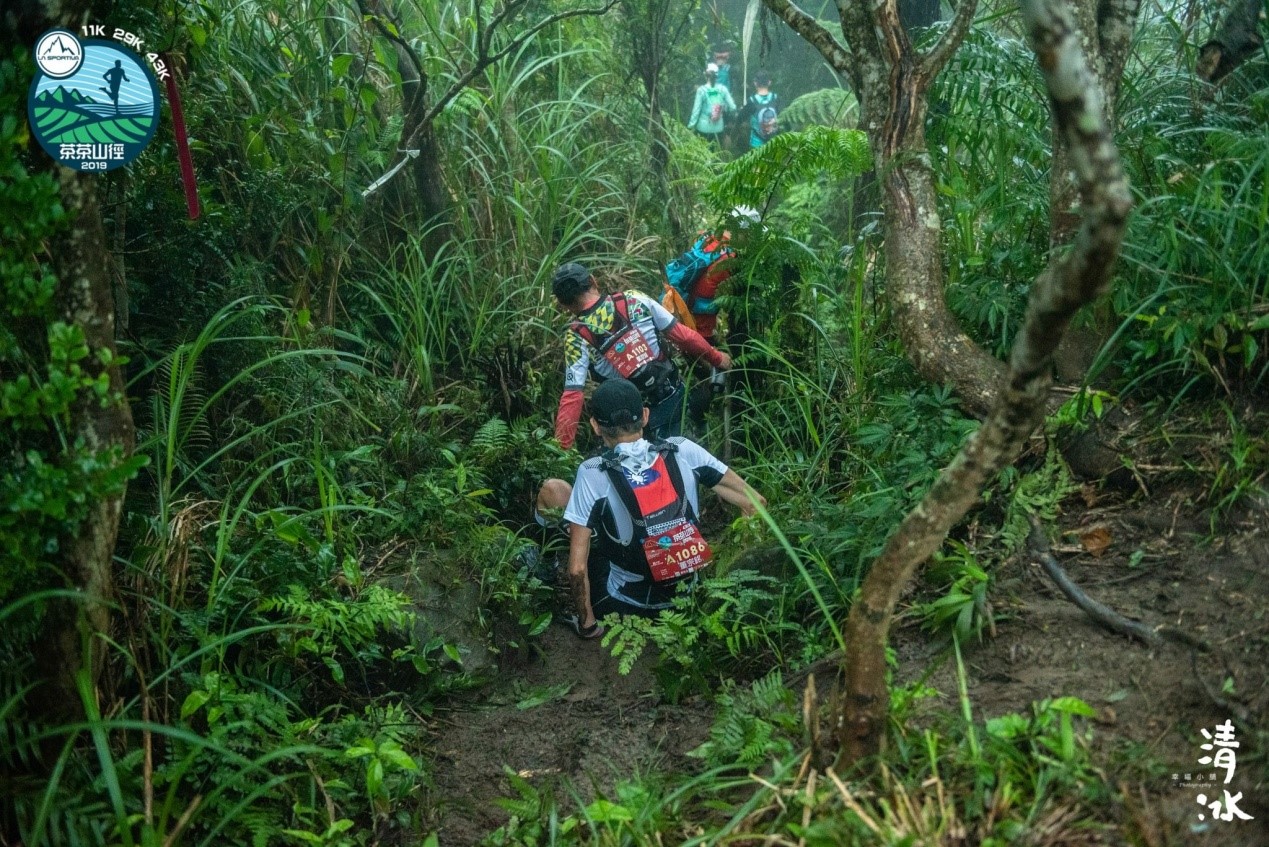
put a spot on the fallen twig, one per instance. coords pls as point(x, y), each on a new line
point(1038, 542)
point(1240, 712)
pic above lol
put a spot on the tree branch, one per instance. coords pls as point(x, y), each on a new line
point(483, 61)
point(809, 28)
point(932, 61)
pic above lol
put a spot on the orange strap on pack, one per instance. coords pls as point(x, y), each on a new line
point(674, 304)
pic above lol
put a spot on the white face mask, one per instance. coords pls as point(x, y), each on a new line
point(636, 455)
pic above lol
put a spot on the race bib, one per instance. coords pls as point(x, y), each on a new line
point(716, 112)
point(675, 549)
point(628, 352)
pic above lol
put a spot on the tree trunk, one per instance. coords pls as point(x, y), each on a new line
point(423, 194)
point(892, 81)
point(1235, 41)
point(1105, 28)
point(71, 639)
point(1063, 288)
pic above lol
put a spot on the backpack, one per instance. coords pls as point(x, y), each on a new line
point(765, 120)
point(629, 353)
point(672, 546)
point(715, 99)
point(683, 272)
point(768, 122)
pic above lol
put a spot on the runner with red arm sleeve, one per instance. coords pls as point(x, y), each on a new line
point(623, 336)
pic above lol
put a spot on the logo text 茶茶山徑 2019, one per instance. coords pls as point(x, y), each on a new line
point(94, 103)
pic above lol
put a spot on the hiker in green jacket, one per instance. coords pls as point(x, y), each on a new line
point(713, 102)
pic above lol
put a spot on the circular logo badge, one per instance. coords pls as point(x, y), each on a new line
point(99, 115)
point(664, 541)
point(58, 54)
point(619, 347)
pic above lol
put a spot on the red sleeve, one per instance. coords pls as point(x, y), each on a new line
point(692, 344)
point(566, 418)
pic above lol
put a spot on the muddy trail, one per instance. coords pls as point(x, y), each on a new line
point(567, 721)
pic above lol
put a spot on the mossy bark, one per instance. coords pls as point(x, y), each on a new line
point(71, 641)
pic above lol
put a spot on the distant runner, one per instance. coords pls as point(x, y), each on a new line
point(713, 103)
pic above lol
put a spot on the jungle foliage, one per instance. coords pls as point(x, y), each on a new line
point(337, 424)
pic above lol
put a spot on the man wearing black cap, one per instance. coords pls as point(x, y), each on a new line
point(636, 505)
point(621, 335)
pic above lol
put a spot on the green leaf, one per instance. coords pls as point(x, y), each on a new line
point(1007, 726)
point(374, 778)
point(339, 65)
point(1073, 706)
point(195, 701)
point(604, 811)
point(400, 759)
point(452, 652)
point(544, 695)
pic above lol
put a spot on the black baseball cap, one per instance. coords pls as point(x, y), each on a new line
point(570, 280)
point(616, 402)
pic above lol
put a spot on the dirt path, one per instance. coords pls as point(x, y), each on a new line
point(1151, 705)
point(568, 720)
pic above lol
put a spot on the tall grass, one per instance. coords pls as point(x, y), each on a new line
point(1195, 296)
point(541, 185)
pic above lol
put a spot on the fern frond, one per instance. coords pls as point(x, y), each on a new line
point(786, 159)
point(829, 107)
point(493, 437)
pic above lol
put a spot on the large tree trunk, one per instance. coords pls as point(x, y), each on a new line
point(1105, 29)
point(892, 81)
point(71, 641)
point(85, 300)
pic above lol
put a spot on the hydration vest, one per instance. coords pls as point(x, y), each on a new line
point(666, 544)
point(625, 348)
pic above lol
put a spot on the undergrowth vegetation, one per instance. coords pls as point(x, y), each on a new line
point(340, 428)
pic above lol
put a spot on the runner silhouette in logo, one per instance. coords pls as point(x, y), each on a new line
point(116, 77)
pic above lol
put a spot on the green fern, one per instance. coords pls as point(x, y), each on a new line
point(788, 158)
point(751, 726)
point(829, 107)
point(493, 437)
point(626, 637)
point(1039, 493)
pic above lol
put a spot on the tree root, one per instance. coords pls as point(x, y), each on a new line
point(1099, 612)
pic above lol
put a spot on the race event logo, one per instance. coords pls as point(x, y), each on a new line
point(94, 102)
